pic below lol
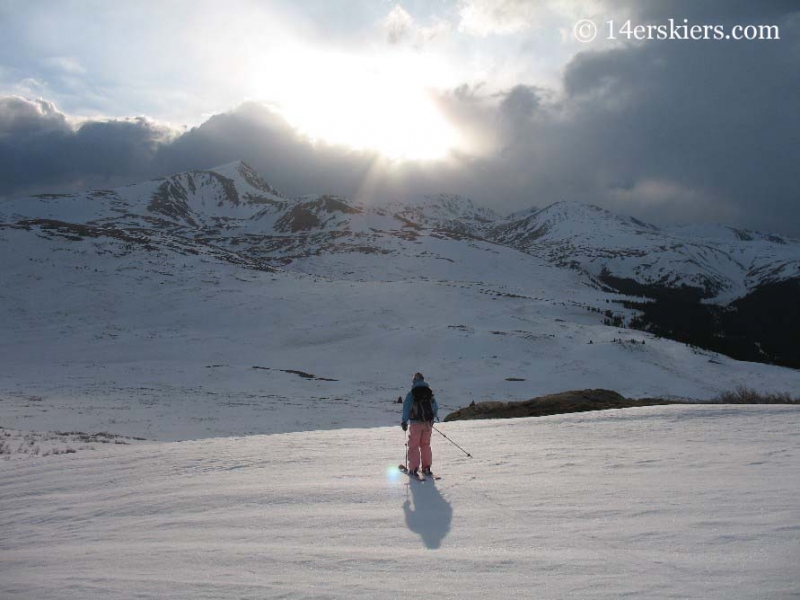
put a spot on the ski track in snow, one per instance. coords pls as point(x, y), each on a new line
point(658, 502)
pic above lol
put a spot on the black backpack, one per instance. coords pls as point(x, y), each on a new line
point(422, 407)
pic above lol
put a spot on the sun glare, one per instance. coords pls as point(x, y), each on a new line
point(366, 104)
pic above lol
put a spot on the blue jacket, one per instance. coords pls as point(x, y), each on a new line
point(410, 400)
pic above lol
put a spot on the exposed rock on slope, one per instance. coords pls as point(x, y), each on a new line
point(554, 404)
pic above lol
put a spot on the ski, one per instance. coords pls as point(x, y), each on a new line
point(420, 476)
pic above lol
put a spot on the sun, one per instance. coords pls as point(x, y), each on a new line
point(375, 104)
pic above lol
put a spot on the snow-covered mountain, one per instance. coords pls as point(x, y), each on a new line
point(209, 305)
point(210, 293)
point(723, 262)
point(233, 208)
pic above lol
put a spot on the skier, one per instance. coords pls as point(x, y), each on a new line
point(419, 409)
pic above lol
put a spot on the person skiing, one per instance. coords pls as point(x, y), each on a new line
point(419, 410)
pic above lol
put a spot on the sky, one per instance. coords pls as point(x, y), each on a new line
point(502, 101)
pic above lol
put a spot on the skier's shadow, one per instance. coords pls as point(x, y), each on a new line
point(430, 516)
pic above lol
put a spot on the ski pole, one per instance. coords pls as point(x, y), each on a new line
point(405, 435)
point(451, 441)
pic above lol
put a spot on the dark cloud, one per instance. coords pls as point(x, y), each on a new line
point(665, 131)
point(24, 119)
point(714, 119)
point(669, 131)
point(709, 12)
point(41, 148)
point(256, 134)
point(520, 103)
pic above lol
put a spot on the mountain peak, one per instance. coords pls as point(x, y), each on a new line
point(580, 215)
point(241, 172)
point(428, 208)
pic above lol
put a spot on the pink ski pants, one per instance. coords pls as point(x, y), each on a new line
point(419, 445)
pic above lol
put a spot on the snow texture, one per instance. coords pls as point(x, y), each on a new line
point(219, 307)
point(205, 310)
point(660, 502)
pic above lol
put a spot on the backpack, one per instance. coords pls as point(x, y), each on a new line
point(422, 406)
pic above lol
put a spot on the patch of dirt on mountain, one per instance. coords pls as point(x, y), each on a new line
point(553, 404)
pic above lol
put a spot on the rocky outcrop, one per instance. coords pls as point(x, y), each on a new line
point(554, 404)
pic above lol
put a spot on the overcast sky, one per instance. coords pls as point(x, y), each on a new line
point(494, 99)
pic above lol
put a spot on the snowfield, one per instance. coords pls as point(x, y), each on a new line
point(198, 386)
point(208, 305)
point(184, 347)
point(659, 502)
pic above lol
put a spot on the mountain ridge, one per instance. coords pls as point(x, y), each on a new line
point(725, 263)
point(232, 214)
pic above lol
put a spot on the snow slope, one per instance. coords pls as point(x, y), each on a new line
point(223, 308)
point(726, 263)
point(209, 307)
point(659, 502)
point(171, 347)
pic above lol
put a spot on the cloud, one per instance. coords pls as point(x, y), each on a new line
point(30, 87)
point(401, 28)
point(496, 17)
point(520, 103)
point(708, 116)
point(22, 119)
point(257, 134)
point(66, 64)
point(720, 11)
point(664, 131)
point(41, 147)
point(667, 131)
point(661, 200)
point(398, 24)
